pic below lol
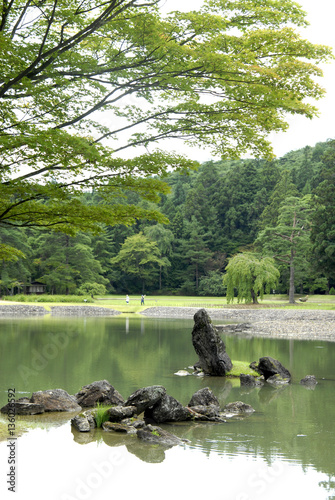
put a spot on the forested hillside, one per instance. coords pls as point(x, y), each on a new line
point(282, 209)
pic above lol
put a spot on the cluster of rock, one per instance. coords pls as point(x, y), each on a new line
point(156, 407)
point(274, 373)
point(153, 403)
point(214, 360)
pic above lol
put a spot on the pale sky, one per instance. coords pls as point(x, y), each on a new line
point(302, 131)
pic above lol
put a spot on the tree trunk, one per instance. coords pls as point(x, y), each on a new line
point(254, 297)
point(291, 290)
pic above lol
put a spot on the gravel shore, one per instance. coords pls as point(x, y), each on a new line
point(307, 324)
point(23, 310)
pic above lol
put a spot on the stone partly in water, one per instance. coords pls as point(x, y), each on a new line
point(23, 406)
point(204, 397)
point(277, 380)
point(156, 435)
point(250, 381)
point(118, 427)
point(209, 346)
point(84, 422)
point(118, 413)
point(55, 400)
point(209, 413)
point(309, 380)
point(168, 409)
point(238, 407)
point(100, 391)
point(146, 397)
point(268, 367)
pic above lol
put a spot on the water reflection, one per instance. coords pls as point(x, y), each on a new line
point(291, 425)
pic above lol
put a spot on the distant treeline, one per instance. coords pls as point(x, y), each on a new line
point(223, 208)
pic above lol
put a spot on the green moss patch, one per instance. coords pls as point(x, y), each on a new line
point(241, 367)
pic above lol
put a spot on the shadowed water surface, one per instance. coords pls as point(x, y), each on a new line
point(288, 442)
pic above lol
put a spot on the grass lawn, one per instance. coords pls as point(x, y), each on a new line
point(118, 302)
point(269, 301)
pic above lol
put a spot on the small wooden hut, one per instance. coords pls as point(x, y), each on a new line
point(36, 287)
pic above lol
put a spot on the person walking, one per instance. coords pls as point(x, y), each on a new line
point(127, 299)
point(142, 300)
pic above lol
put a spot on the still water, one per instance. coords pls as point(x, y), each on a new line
point(287, 445)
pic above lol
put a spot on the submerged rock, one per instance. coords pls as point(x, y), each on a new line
point(182, 373)
point(277, 379)
point(250, 381)
point(209, 413)
point(238, 407)
point(209, 346)
point(55, 400)
point(156, 435)
point(100, 391)
point(309, 380)
point(118, 427)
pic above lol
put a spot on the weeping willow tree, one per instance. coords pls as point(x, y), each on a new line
point(251, 276)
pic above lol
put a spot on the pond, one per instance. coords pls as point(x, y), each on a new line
point(286, 445)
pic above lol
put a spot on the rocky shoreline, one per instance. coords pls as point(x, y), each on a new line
point(19, 310)
point(303, 324)
point(307, 324)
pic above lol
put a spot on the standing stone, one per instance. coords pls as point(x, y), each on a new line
point(209, 346)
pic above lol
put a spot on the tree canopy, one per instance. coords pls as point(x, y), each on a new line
point(228, 200)
point(251, 276)
point(82, 82)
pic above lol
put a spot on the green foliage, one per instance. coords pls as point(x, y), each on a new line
point(100, 414)
point(332, 291)
point(241, 367)
point(251, 276)
point(49, 298)
point(80, 85)
point(140, 257)
point(91, 289)
point(10, 254)
point(323, 219)
point(289, 240)
point(193, 249)
point(212, 284)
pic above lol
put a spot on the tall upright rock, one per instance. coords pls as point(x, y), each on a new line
point(209, 346)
